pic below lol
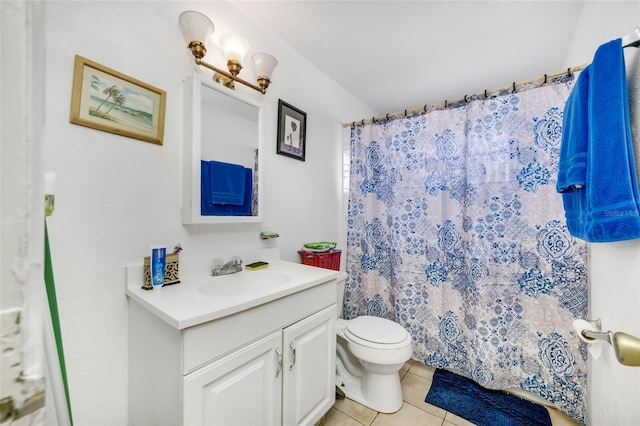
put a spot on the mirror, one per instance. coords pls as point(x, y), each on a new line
point(222, 140)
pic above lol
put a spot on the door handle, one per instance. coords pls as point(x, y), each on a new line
point(625, 346)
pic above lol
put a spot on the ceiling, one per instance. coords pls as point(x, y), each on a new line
point(397, 55)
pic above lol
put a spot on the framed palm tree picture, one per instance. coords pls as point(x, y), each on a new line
point(107, 100)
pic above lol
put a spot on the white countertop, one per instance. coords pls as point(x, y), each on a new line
point(202, 298)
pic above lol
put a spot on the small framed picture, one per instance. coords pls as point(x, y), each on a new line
point(292, 127)
point(107, 100)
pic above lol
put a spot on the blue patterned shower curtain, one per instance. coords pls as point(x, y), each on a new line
point(456, 232)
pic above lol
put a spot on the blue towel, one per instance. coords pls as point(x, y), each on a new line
point(597, 175)
point(227, 183)
point(209, 208)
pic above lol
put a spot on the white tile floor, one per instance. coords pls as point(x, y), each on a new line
point(415, 380)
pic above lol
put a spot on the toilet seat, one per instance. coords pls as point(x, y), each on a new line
point(377, 333)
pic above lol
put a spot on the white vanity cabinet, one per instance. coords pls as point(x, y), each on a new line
point(270, 364)
point(308, 377)
point(283, 378)
point(243, 388)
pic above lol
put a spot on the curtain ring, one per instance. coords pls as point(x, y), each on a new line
point(363, 121)
point(485, 94)
point(387, 116)
point(425, 108)
point(465, 99)
point(514, 87)
point(353, 125)
point(373, 120)
point(405, 112)
point(445, 104)
point(569, 71)
point(545, 79)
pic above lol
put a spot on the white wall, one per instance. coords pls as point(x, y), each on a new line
point(614, 267)
point(116, 195)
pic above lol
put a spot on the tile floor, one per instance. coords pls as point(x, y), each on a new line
point(415, 380)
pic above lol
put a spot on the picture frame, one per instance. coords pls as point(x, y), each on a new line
point(292, 129)
point(108, 100)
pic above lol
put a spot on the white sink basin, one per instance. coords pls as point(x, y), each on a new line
point(244, 282)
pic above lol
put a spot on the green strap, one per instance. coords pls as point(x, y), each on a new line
point(55, 319)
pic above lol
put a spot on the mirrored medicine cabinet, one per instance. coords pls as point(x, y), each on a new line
point(221, 127)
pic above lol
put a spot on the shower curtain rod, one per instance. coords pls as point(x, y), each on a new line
point(443, 104)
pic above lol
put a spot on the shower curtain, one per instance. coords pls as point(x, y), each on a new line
point(456, 232)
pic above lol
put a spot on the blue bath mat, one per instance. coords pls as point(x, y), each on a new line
point(484, 407)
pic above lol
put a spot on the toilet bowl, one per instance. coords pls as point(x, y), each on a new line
point(370, 352)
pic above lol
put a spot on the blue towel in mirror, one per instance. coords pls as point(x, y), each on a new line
point(219, 190)
point(227, 183)
point(597, 175)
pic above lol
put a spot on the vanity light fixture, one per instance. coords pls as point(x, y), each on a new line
point(197, 28)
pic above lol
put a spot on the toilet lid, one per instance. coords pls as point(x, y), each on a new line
point(377, 330)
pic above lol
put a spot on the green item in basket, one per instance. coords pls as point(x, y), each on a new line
point(322, 245)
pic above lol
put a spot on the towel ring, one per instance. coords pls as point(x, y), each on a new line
point(514, 87)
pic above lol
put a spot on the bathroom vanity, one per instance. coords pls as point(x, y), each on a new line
point(250, 348)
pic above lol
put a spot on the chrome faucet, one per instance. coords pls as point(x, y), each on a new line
point(231, 267)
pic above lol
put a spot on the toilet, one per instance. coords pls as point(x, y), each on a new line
point(370, 353)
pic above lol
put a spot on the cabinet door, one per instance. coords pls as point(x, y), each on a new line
point(243, 388)
point(309, 368)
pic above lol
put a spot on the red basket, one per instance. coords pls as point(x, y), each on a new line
point(325, 259)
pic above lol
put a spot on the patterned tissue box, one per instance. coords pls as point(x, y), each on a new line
point(170, 271)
